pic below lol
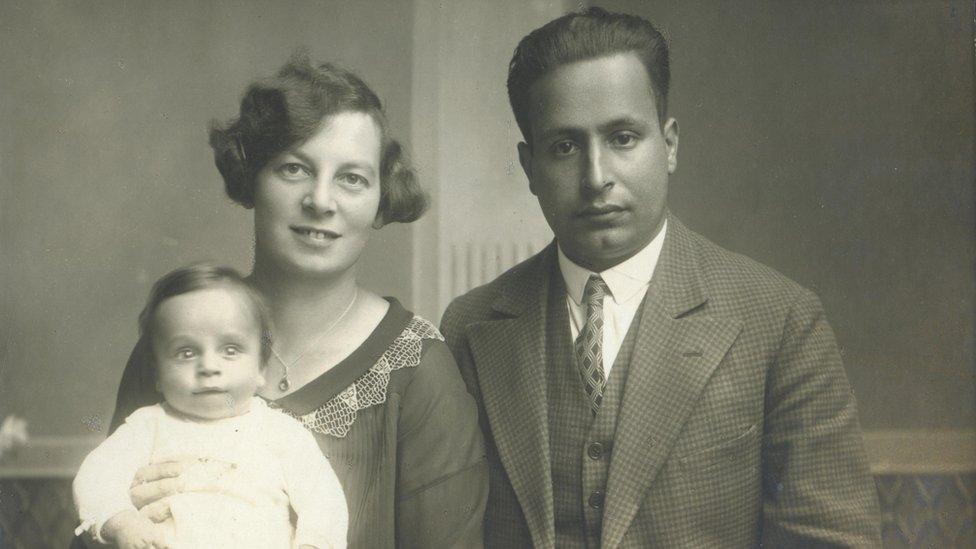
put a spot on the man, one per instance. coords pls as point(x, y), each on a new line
point(638, 385)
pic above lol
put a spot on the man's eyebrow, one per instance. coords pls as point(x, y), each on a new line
point(623, 121)
point(558, 132)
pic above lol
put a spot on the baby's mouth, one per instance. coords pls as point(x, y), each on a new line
point(209, 391)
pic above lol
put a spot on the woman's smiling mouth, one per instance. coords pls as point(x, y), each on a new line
point(315, 236)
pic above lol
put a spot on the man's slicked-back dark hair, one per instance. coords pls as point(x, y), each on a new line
point(591, 33)
point(283, 111)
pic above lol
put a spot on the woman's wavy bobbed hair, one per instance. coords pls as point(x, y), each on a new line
point(281, 112)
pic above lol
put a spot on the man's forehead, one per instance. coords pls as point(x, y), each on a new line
point(592, 93)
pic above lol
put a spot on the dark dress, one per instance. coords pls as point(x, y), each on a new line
point(398, 426)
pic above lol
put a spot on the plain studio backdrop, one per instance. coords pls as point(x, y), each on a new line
point(833, 141)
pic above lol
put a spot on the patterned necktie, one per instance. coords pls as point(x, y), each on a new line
point(589, 343)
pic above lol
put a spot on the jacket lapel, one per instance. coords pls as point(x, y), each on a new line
point(678, 347)
point(509, 356)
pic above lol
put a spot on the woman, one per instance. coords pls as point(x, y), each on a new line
point(311, 154)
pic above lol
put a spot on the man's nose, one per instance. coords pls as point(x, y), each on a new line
point(596, 173)
point(320, 198)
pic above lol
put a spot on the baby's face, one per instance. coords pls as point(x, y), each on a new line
point(207, 347)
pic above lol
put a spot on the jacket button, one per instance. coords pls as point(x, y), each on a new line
point(596, 500)
point(594, 450)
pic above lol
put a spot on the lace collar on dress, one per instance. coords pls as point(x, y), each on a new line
point(337, 415)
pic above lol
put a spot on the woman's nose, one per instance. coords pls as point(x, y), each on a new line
point(320, 199)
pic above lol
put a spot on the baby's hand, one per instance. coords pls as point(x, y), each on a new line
point(130, 530)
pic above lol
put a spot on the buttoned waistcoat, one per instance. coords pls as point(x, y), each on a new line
point(737, 426)
point(580, 443)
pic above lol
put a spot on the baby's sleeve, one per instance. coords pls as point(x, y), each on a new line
point(313, 491)
point(101, 487)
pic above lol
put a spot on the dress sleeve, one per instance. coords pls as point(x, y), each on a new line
point(442, 476)
point(818, 490)
point(101, 487)
point(138, 385)
point(313, 490)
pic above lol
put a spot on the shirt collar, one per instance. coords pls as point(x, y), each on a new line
point(624, 279)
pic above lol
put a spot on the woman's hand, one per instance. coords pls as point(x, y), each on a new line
point(155, 482)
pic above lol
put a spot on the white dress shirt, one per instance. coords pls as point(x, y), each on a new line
point(628, 282)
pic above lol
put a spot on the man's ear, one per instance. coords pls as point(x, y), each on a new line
point(670, 132)
point(525, 159)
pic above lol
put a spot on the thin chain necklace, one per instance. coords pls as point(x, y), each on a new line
point(284, 385)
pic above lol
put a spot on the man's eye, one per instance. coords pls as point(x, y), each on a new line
point(563, 148)
point(623, 140)
point(185, 354)
point(292, 170)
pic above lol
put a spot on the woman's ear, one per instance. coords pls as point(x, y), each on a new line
point(262, 381)
point(378, 221)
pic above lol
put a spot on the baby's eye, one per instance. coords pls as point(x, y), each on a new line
point(293, 171)
point(232, 350)
point(185, 353)
point(563, 148)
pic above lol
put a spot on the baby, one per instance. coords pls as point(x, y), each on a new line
point(255, 465)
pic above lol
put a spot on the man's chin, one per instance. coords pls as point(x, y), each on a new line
point(601, 251)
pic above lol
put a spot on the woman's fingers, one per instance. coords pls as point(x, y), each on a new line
point(157, 511)
point(149, 492)
point(166, 469)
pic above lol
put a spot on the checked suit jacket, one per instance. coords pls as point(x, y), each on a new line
point(737, 426)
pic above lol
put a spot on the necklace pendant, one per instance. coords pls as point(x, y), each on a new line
point(283, 384)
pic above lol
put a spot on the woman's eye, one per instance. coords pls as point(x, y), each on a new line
point(354, 179)
point(293, 171)
point(563, 148)
point(623, 140)
point(185, 354)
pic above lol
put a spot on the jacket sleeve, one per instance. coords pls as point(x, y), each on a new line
point(442, 479)
point(818, 490)
point(137, 387)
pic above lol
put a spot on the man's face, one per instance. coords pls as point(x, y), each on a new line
point(599, 160)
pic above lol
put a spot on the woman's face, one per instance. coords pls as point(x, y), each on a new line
point(314, 205)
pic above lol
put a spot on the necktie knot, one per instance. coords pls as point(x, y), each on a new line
point(594, 291)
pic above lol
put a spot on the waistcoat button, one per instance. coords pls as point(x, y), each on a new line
point(596, 500)
point(594, 450)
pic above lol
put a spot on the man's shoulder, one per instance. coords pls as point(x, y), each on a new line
point(477, 303)
point(736, 279)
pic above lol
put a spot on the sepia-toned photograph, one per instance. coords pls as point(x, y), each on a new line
point(316, 274)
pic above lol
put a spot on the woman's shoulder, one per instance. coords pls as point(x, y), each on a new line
point(408, 344)
point(418, 346)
